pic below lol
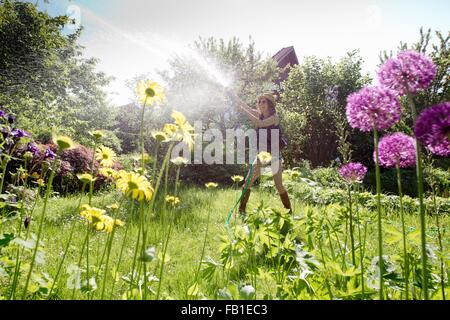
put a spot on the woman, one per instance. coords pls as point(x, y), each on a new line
point(265, 118)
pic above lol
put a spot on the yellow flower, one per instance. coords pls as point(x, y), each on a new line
point(40, 182)
point(86, 178)
point(170, 130)
point(179, 118)
point(149, 92)
point(295, 174)
point(113, 206)
point(90, 213)
point(237, 179)
point(99, 220)
point(265, 158)
point(172, 200)
point(35, 175)
point(184, 131)
point(63, 142)
point(97, 134)
point(108, 172)
point(211, 185)
point(106, 156)
point(138, 157)
point(134, 184)
point(178, 161)
point(159, 136)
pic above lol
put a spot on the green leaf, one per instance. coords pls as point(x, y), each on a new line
point(393, 235)
point(193, 290)
point(7, 238)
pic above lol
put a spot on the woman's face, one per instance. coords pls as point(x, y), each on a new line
point(263, 106)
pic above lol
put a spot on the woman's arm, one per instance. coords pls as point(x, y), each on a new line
point(249, 111)
point(272, 120)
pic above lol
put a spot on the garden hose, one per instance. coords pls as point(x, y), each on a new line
point(242, 194)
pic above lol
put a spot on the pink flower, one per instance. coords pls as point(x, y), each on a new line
point(353, 172)
point(433, 128)
point(409, 72)
point(373, 107)
point(396, 147)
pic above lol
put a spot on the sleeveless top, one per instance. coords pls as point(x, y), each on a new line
point(269, 129)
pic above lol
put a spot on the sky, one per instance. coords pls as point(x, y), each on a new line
point(132, 37)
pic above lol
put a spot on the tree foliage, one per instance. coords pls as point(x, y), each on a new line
point(193, 88)
point(44, 78)
point(313, 108)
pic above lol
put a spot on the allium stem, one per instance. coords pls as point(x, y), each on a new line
point(405, 254)
point(361, 245)
point(439, 233)
point(419, 172)
point(380, 230)
point(352, 240)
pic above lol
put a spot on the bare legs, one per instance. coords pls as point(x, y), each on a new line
point(277, 172)
point(255, 175)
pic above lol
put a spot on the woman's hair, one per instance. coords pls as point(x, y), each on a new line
point(270, 102)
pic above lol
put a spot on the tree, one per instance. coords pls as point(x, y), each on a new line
point(313, 109)
point(43, 77)
point(193, 86)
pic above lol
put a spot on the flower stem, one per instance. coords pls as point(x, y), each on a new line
point(402, 215)
point(66, 249)
point(109, 245)
point(380, 234)
point(352, 240)
point(419, 172)
point(361, 247)
point(124, 241)
point(166, 245)
point(41, 223)
point(176, 180)
point(204, 245)
point(439, 233)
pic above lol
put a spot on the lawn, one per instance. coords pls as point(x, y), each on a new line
point(324, 260)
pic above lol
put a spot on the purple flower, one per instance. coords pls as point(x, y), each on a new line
point(2, 114)
point(409, 72)
point(373, 107)
point(433, 128)
point(396, 147)
point(33, 148)
point(353, 172)
point(19, 133)
point(49, 154)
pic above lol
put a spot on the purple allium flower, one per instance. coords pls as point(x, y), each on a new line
point(33, 148)
point(433, 128)
point(353, 172)
point(409, 72)
point(396, 147)
point(19, 133)
point(373, 106)
point(49, 154)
